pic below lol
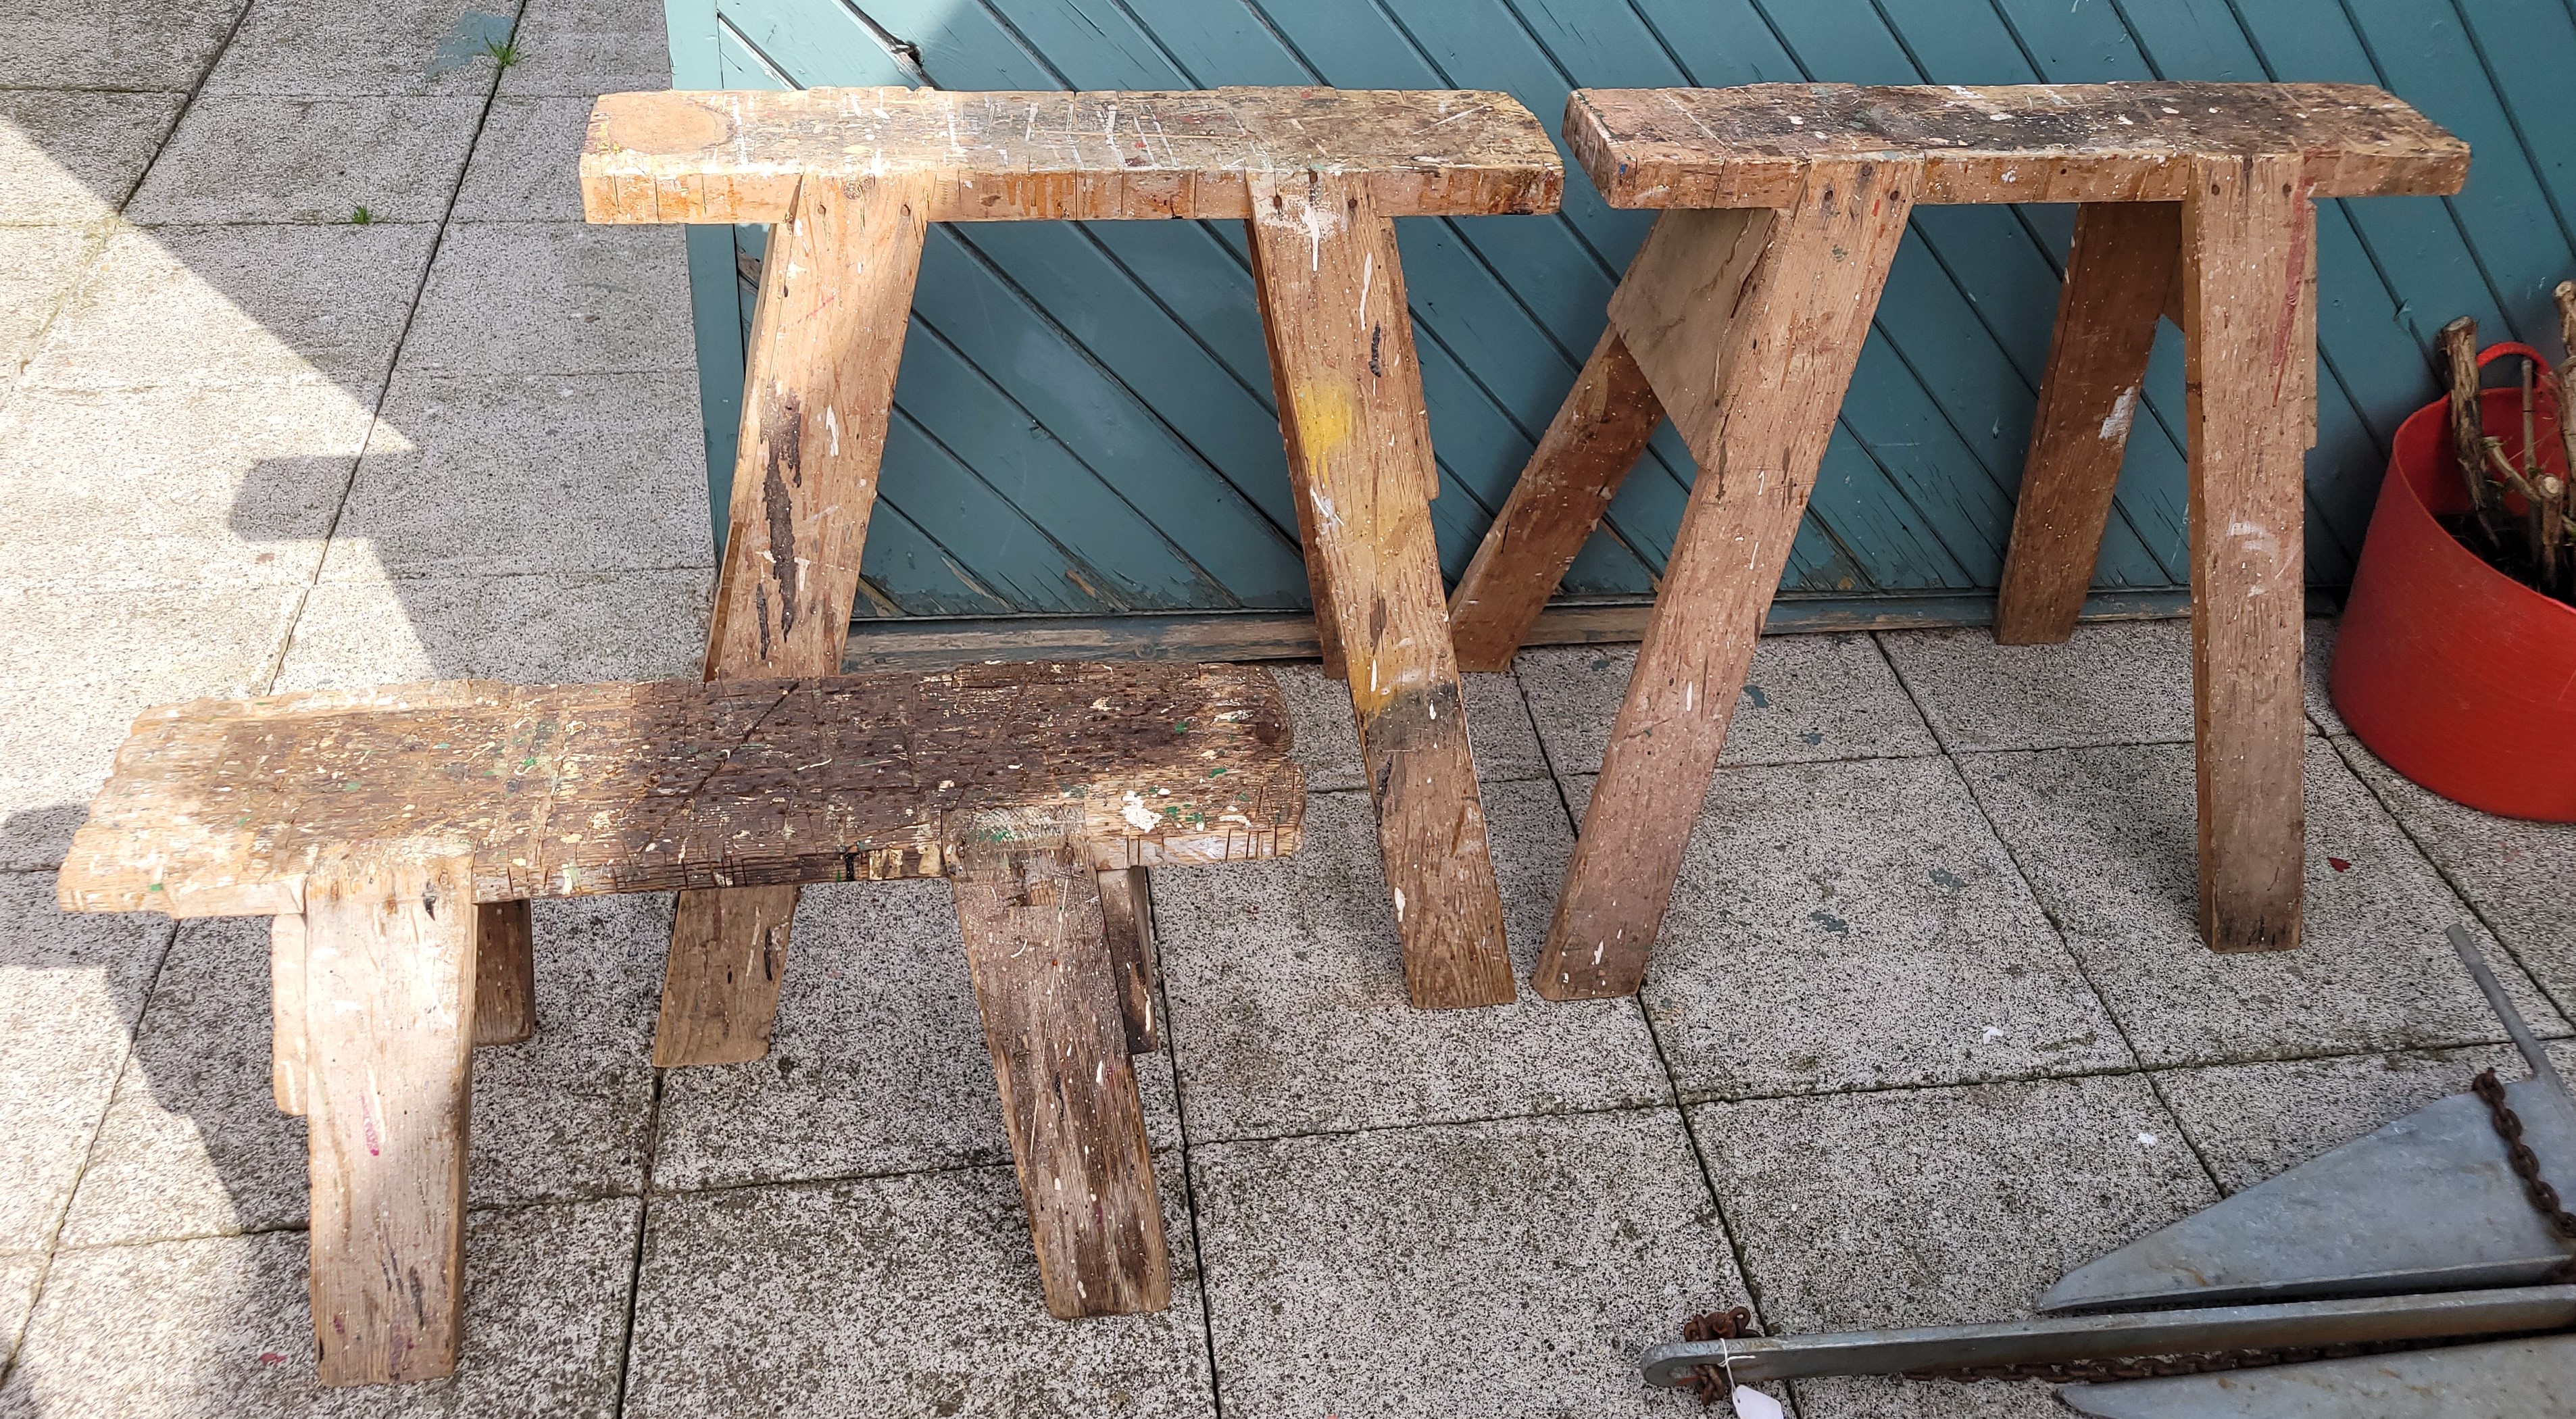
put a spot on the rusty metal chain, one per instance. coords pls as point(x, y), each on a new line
point(2156, 1367)
point(1710, 1382)
point(2526, 1166)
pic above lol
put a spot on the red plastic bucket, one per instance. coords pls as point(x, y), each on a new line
point(2460, 677)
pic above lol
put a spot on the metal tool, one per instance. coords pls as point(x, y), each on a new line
point(2424, 1231)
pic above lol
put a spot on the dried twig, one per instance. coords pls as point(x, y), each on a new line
point(2460, 345)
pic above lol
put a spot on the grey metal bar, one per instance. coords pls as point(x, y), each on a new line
point(2514, 1025)
point(2181, 1332)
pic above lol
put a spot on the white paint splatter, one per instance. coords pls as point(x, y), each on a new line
point(1138, 816)
point(2123, 409)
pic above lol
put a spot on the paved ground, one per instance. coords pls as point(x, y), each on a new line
point(1929, 1026)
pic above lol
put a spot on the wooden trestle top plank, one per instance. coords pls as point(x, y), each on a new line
point(736, 156)
point(219, 808)
point(1749, 146)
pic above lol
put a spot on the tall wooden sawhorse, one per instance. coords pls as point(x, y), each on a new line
point(1742, 317)
point(849, 179)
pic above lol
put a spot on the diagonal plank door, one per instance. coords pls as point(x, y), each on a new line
point(1359, 450)
point(835, 299)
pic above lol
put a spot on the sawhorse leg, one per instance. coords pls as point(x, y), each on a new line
point(835, 298)
point(385, 979)
point(2249, 257)
point(1359, 447)
point(1748, 323)
point(2120, 276)
point(1030, 912)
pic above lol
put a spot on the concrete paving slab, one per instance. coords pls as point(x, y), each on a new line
point(363, 48)
point(85, 663)
point(2106, 838)
point(502, 474)
point(2521, 874)
point(1499, 732)
point(1858, 925)
point(588, 47)
point(1289, 1012)
point(527, 165)
point(2116, 682)
point(71, 158)
point(71, 989)
point(1936, 1207)
point(569, 628)
point(2252, 1121)
point(19, 1275)
point(238, 305)
point(39, 266)
point(1509, 1268)
point(219, 1327)
point(184, 486)
point(1806, 698)
point(115, 44)
point(250, 158)
point(194, 1145)
point(878, 1066)
point(904, 1295)
point(2314, 667)
point(550, 298)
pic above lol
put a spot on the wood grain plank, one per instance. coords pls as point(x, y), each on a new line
point(2249, 264)
point(2120, 277)
point(1752, 371)
point(1598, 434)
point(389, 1023)
point(505, 974)
point(1746, 146)
point(826, 338)
point(736, 156)
point(1030, 915)
point(219, 808)
point(1127, 916)
point(286, 1066)
point(1352, 415)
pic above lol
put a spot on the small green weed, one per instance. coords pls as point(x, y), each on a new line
point(362, 218)
point(503, 52)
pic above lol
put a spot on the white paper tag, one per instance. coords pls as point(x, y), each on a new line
point(1751, 1403)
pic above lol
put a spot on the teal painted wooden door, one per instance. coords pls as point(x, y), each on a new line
point(1084, 420)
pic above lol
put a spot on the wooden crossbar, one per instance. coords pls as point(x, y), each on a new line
point(994, 156)
point(221, 808)
point(1751, 146)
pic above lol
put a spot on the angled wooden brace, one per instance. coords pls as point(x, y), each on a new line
point(827, 336)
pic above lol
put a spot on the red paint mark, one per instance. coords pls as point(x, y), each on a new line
point(2338, 864)
point(367, 1124)
point(271, 1357)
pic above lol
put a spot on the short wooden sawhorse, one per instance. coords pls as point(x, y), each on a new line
point(396, 836)
point(848, 178)
point(1742, 317)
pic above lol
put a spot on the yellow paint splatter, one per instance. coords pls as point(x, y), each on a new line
point(1324, 417)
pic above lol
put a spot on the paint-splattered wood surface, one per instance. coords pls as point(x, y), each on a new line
point(1747, 146)
point(737, 155)
point(218, 808)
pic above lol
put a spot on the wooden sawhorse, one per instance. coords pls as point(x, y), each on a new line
point(1742, 317)
point(397, 834)
point(849, 179)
